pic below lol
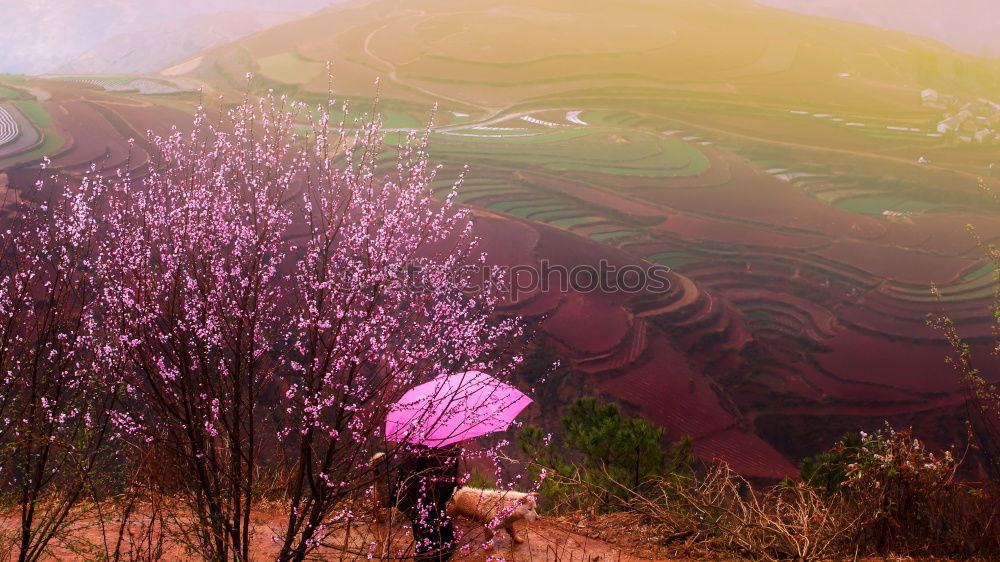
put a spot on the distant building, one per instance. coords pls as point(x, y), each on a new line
point(972, 121)
point(932, 98)
point(950, 124)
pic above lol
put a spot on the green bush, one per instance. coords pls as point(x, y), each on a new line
point(829, 470)
point(612, 455)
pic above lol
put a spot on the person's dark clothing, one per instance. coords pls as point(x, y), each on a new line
point(421, 481)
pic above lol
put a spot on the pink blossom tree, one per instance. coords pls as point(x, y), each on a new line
point(194, 292)
point(274, 295)
point(390, 291)
point(58, 390)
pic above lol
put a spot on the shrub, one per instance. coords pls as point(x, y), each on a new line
point(612, 455)
point(982, 396)
point(829, 469)
point(626, 450)
point(723, 509)
point(911, 501)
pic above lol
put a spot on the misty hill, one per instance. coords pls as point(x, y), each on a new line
point(971, 25)
point(151, 49)
point(43, 35)
point(491, 53)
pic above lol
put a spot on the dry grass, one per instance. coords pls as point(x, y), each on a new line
point(897, 501)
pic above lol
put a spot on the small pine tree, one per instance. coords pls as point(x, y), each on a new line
point(829, 470)
point(615, 454)
point(629, 449)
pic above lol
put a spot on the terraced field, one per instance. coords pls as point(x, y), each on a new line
point(18, 134)
point(80, 128)
point(290, 68)
point(35, 112)
point(141, 85)
point(9, 129)
point(776, 296)
point(816, 287)
point(572, 152)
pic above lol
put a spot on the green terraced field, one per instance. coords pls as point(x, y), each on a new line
point(115, 79)
point(673, 259)
point(613, 234)
point(468, 195)
point(987, 269)
point(507, 206)
point(398, 120)
point(289, 68)
point(394, 126)
point(545, 216)
point(52, 142)
point(491, 133)
point(570, 222)
point(525, 211)
point(35, 112)
point(976, 284)
point(758, 315)
point(606, 151)
point(875, 205)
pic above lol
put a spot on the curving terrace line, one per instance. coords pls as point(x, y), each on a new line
point(26, 137)
point(9, 130)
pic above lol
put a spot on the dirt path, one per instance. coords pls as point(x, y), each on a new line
point(545, 540)
point(549, 541)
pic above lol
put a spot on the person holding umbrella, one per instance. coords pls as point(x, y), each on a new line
point(430, 419)
point(420, 481)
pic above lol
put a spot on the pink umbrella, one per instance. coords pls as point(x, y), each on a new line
point(453, 408)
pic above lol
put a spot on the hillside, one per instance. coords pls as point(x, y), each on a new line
point(491, 53)
point(43, 35)
point(149, 50)
point(970, 25)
